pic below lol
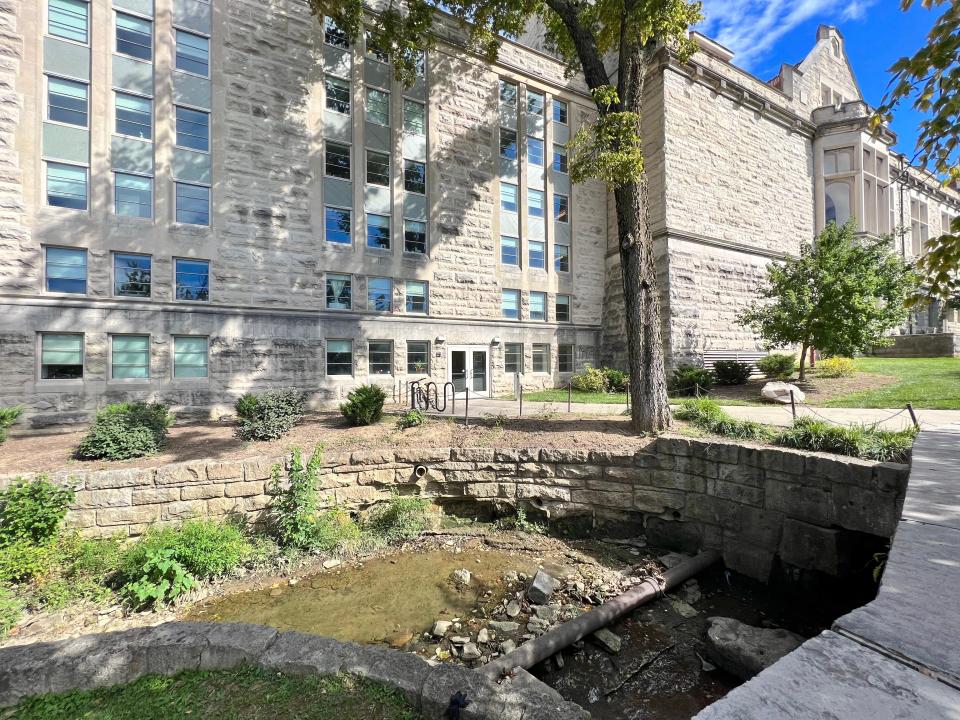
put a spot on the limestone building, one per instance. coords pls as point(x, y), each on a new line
point(199, 199)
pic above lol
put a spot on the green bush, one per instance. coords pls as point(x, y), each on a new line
point(80, 569)
point(590, 379)
point(269, 415)
point(32, 511)
point(333, 529)
point(403, 517)
point(293, 510)
point(861, 441)
point(22, 561)
point(162, 580)
point(707, 415)
point(11, 610)
point(364, 405)
point(835, 367)
point(777, 366)
point(126, 430)
point(411, 418)
point(617, 380)
point(8, 416)
point(689, 379)
point(731, 372)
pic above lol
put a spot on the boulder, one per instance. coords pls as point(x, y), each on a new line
point(441, 628)
point(608, 640)
point(541, 588)
point(744, 650)
point(780, 392)
point(461, 576)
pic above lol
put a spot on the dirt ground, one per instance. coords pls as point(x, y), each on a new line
point(818, 390)
point(216, 440)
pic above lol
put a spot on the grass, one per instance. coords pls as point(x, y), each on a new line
point(245, 693)
point(926, 382)
point(560, 396)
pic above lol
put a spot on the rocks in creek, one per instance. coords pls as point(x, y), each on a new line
point(513, 608)
point(542, 588)
point(511, 577)
point(672, 559)
point(545, 612)
point(503, 626)
point(400, 639)
point(689, 592)
point(332, 563)
point(441, 628)
point(744, 650)
point(461, 577)
point(470, 651)
point(507, 646)
point(609, 641)
point(460, 639)
point(537, 626)
point(483, 636)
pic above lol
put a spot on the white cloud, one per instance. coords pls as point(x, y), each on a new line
point(752, 27)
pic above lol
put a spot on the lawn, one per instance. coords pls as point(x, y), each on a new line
point(559, 395)
point(925, 382)
point(245, 693)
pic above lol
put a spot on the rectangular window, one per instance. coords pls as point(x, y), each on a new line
point(193, 204)
point(338, 94)
point(192, 279)
point(509, 252)
point(134, 37)
point(134, 116)
point(193, 129)
point(535, 202)
point(132, 195)
point(68, 19)
point(535, 151)
point(337, 225)
point(538, 306)
point(414, 117)
point(508, 197)
point(378, 168)
point(418, 357)
point(67, 102)
point(378, 231)
point(66, 186)
point(66, 270)
point(508, 93)
point(561, 257)
point(190, 356)
point(339, 357)
point(559, 111)
point(193, 53)
point(541, 358)
point(510, 304)
point(380, 354)
point(333, 35)
point(378, 107)
point(837, 161)
point(535, 102)
point(508, 144)
point(417, 300)
point(561, 208)
point(420, 63)
point(415, 237)
point(129, 357)
point(563, 308)
point(337, 160)
point(61, 356)
point(380, 294)
point(559, 158)
point(339, 292)
point(565, 358)
point(374, 52)
point(537, 254)
point(513, 358)
point(131, 275)
point(415, 177)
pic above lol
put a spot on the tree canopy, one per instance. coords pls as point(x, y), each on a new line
point(841, 296)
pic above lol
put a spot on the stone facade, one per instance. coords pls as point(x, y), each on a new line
point(754, 504)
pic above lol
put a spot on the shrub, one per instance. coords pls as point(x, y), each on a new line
point(687, 379)
point(334, 528)
point(835, 367)
point(22, 561)
point(590, 379)
point(32, 511)
point(777, 366)
point(80, 569)
point(617, 380)
point(364, 405)
point(269, 415)
point(731, 372)
point(126, 430)
point(400, 518)
point(707, 415)
point(411, 418)
point(8, 416)
point(162, 580)
point(294, 507)
point(859, 441)
point(11, 609)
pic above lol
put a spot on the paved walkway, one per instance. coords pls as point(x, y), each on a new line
point(896, 658)
point(893, 419)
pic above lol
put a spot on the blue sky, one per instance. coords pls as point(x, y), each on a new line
point(766, 33)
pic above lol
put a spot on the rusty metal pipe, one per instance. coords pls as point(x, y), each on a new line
point(552, 642)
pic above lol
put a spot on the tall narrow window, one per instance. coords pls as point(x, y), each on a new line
point(193, 53)
point(190, 356)
point(414, 117)
point(66, 270)
point(508, 93)
point(134, 116)
point(561, 208)
point(337, 225)
point(339, 292)
point(559, 158)
point(508, 144)
point(337, 160)
point(378, 168)
point(541, 358)
point(837, 205)
point(559, 111)
point(378, 107)
point(129, 357)
point(508, 197)
point(131, 275)
point(509, 253)
point(339, 357)
point(193, 204)
point(67, 101)
point(535, 151)
point(538, 306)
point(535, 102)
point(510, 304)
point(513, 357)
point(415, 177)
point(380, 354)
point(418, 357)
point(565, 358)
point(338, 94)
point(68, 19)
point(537, 254)
point(192, 280)
point(415, 237)
point(134, 37)
point(61, 356)
point(66, 186)
point(374, 51)
point(380, 294)
point(535, 203)
point(420, 63)
point(561, 257)
point(334, 35)
point(193, 129)
point(133, 195)
point(563, 308)
point(417, 300)
point(378, 231)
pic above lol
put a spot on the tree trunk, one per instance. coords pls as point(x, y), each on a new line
point(803, 362)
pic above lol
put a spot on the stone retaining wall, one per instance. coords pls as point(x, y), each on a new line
point(753, 503)
point(118, 658)
point(929, 345)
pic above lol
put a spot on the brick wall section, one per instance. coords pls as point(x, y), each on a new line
point(753, 503)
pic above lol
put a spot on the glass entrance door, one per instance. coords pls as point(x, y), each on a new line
point(479, 372)
point(469, 368)
point(458, 370)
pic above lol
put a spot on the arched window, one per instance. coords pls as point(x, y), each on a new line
point(837, 201)
point(836, 47)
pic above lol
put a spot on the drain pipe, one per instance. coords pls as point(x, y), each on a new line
point(552, 642)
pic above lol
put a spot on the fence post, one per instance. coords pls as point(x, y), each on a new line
point(520, 414)
point(793, 406)
point(696, 389)
point(913, 416)
point(466, 407)
point(569, 396)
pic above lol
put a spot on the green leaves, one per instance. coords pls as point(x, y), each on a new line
point(163, 580)
point(32, 511)
point(938, 268)
point(608, 148)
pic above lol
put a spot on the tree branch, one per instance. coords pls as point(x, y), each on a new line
point(583, 40)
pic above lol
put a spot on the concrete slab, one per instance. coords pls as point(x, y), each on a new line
point(834, 678)
point(933, 495)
